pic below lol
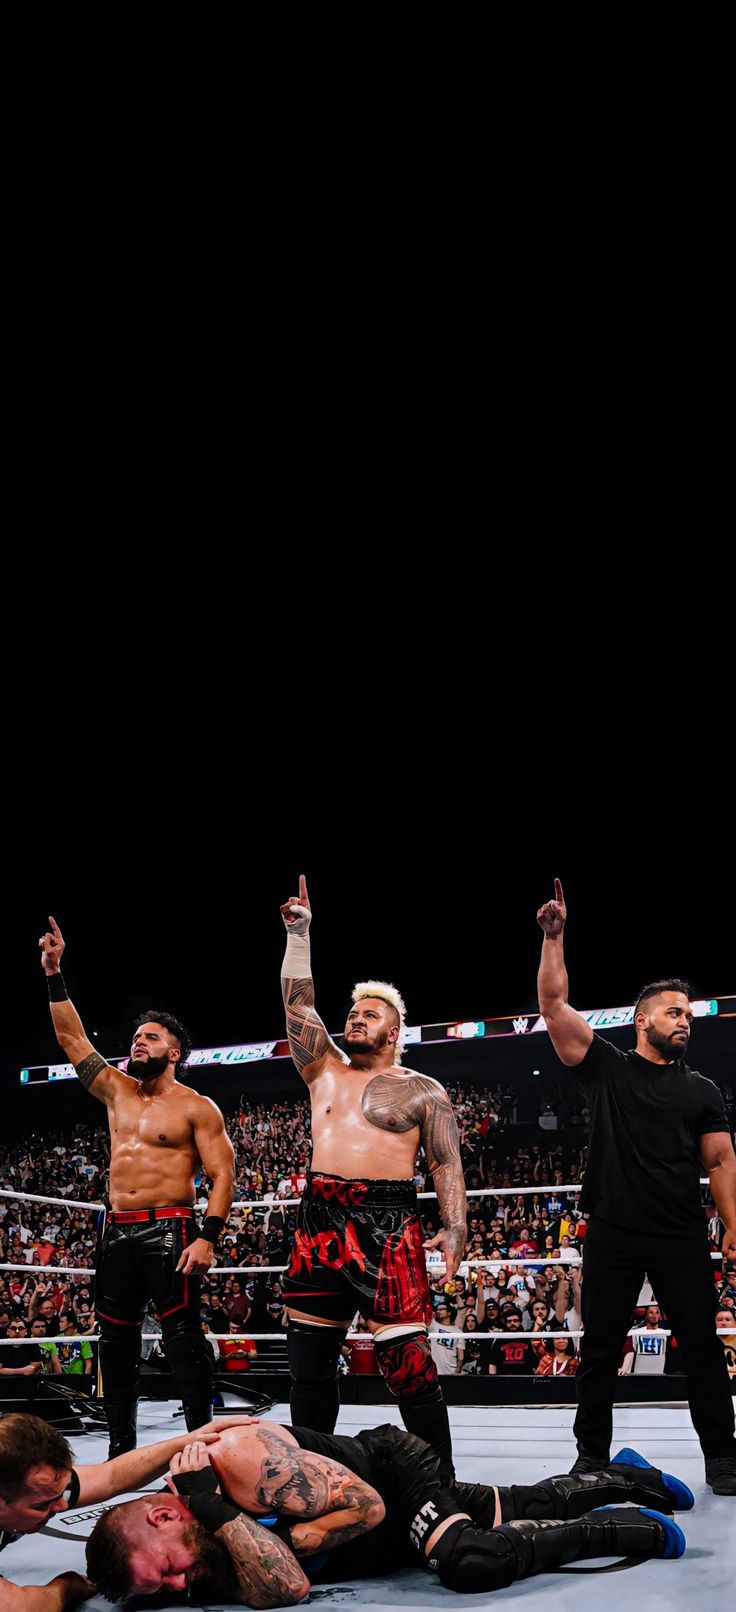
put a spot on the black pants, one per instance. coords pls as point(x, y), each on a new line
point(137, 1263)
point(615, 1263)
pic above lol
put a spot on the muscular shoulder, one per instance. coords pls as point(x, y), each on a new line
point(425, 1083)
point(203, 1110)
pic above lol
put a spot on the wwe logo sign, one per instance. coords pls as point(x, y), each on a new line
point(521, 1026)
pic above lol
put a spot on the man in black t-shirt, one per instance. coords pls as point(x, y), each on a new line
point(24, 1359)
point(653, 1122)
point(512, 1357)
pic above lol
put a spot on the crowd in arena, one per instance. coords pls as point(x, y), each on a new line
point(518, 1210)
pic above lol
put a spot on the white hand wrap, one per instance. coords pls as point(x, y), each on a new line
point(297, 964)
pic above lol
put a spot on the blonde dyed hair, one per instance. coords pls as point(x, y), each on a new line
point(386, 993)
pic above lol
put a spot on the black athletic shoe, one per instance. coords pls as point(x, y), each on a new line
point(589, 1463)
point(720, 1473)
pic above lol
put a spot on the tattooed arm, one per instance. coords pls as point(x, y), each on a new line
point(93, 1071)
point(320, 1499)
point(308, 1038)
point(323, 1533)
point(328, 1504)
point(332, 1503)
point(267, 1571)
point(441, 1144)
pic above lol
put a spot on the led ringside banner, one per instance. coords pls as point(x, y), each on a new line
point(520, 1024)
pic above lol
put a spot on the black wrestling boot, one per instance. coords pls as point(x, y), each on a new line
point(121, 1426)
point(472, 1560)
point(196, 1414)
point(542, 1546)
point(574, 1495)
point(588, 1463)
point(720, 1473)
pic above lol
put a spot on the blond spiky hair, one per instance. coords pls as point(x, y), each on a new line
point(387, 993)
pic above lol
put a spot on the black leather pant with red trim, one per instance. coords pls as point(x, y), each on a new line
point(137, 1265)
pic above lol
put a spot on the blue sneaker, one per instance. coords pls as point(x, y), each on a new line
point(683, 1497)
point(675, 1541)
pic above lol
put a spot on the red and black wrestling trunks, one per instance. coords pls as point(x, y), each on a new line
point(358, 1246)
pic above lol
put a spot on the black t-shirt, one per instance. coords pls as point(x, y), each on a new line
point(646, 1120)
point(513, 1357)
point(22, 1354)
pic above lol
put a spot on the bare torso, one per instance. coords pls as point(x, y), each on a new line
point(366, 1124)
point(153, 1155)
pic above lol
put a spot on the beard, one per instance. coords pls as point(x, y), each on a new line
point(363, 1043)
point(148, 1068)
point(212, 1577)
point(670, 1046)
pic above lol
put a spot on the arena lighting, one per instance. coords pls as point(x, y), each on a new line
point(462, 1030)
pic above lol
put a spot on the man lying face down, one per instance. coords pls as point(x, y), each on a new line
point(39, 1477)
point(266, 1511)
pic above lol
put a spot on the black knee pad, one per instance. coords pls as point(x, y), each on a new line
point(470, 1560)
point(313, 1352)
point(410, 1374)
point(406, 1365)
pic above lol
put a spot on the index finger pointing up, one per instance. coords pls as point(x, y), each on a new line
point(303, 897)
point(55, 927)
point(558, 892)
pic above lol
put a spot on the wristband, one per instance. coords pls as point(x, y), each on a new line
point(57, 989)
point(212, 1229)
point(209, 1508)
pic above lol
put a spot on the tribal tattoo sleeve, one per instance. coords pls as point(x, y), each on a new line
point(308, 1037)
point(441, 1143)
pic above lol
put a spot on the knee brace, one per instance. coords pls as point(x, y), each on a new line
point(314, 1352)
point(405, 1362)
point(191, 1366)
point(470, 1560)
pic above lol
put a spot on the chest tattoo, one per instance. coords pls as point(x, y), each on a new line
point(393, 1104)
